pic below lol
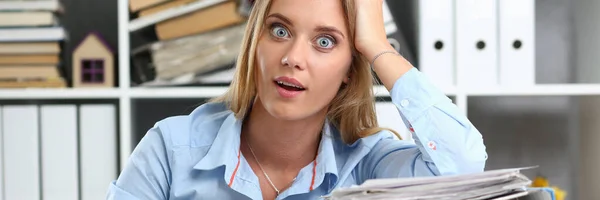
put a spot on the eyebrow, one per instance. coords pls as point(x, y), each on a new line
point(318, 29)
point(282, 18)
point(329, 29)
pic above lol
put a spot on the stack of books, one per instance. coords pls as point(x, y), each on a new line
point(502, 184)
point(30, 44)
point(192, 38)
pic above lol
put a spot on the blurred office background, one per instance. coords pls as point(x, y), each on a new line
point(81, 81)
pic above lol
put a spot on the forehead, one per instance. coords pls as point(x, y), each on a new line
point(316, 12)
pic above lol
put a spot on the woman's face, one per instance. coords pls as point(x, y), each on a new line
point(303, 57)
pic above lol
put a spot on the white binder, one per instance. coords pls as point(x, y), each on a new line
point(98, 149)
point(517, 42)
point(436, 41)
point(60, 178)
point(21, 152)
point(388, 116)
point(477, 42)
point(1, 157)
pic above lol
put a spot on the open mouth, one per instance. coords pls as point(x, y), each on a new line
point(289, 86)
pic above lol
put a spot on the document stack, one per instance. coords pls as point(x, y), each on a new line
point(495, 184)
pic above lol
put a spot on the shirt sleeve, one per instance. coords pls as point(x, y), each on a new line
point(445, 143)
point(147, 174)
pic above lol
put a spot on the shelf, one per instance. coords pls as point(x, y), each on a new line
point(177, 92)
point(538, 90)
point(214, 91)
point(59, 93)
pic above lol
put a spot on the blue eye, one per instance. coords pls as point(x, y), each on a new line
point(325, 42)
point(279, 31)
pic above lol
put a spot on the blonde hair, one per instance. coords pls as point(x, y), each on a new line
point(352, 110)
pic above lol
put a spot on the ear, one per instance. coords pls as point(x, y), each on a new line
point(347, 79)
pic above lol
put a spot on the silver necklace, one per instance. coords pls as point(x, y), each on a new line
point(263, 170)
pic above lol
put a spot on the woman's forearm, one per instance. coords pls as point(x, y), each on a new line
point(389, 67)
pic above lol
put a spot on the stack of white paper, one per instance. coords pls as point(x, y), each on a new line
point(494, 184)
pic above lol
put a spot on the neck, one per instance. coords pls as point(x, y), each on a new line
point(285, 145)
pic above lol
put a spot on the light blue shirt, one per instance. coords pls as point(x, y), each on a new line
point(197, 156)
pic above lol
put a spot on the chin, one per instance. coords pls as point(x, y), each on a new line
point(287, 111)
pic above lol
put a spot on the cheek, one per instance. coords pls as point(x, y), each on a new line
point(267, 57)
point(262, 63)
point(331, 74)
point(333, 69)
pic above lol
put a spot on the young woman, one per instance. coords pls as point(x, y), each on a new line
point(299, 118)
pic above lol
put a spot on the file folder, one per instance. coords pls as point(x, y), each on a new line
point(20, 126)
point(477, 42)
point(436, 41)
point(517, 42)
point(98, 152)
point(1, 157)
point(60, 178)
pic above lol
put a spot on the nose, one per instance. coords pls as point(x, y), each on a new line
point(296, 55)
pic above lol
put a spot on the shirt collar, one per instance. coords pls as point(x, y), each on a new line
point(326, 159)
point(225, 150)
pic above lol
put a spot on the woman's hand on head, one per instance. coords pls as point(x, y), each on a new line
point(370, 38)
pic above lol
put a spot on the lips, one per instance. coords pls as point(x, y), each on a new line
point(289, 84)
point(288, 87)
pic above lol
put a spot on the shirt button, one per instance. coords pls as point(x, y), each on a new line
point(431, 145)
point(404, 103)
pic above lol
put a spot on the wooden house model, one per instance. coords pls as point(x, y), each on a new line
point(93, 63)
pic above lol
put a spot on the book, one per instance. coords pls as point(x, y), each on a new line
point(28, 71)
point(201, 21)
point(137, 5)
point(29, 59)
point(46, 5)
point(14, 48)
point(164, 7)
point(143, 22)
point(29, 34)
point(34, 83)
point(27, 18)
